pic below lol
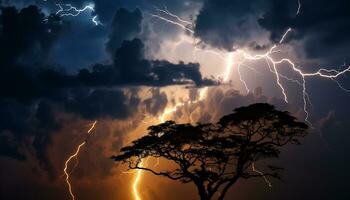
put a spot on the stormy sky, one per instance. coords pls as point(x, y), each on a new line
point(121, 63)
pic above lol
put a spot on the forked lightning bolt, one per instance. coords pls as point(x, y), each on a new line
point(167, 12)
point(272, 64)
point(71, 11)
point(330, 74)
point(75, 155)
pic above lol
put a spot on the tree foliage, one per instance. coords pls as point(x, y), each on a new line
point(215, 156)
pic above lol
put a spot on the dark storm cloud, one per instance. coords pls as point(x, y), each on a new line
point(27, 112)
point(82, 43)
point(41, 127)
point(126, 25)
point(227, 23)
point(25, 32)
point(13, 120)
point(321, 25)
point(25, 36)
point(334, 130)
point(34, 91)
point(131, 68)
point(103, 103)
point(20, 121)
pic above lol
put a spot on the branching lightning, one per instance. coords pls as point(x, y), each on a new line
point(71, 11)
point(330, 74)
point(167, 12)
point(75, 155)
point(171, 18)
point(272, 64)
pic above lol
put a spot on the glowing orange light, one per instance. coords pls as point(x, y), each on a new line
point(271, 63)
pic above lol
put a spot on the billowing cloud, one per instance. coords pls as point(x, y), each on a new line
point(131, 68)
point(103, 103)
point(35, 92)
point(234, 24)
point(57, 75)
point(321, 30)
point(126, 25)
point(20, 122)
point(26, 34)
point(229, 24)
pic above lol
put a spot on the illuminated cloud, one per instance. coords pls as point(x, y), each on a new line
point(34, 90)
point(59, 75)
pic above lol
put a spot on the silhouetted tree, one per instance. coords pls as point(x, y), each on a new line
point(215, 156)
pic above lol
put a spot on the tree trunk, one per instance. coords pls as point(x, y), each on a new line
point(227, 187)
point(203, 193)
point(203, 196)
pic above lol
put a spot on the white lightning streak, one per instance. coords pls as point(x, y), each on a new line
point(299, 7)
point(168, 111)
point(96, 21)
point(331, 74)
point(67, 10)
point(285, 35)
point(229, 67)
point(178, 21)
point(166, 11)
point(173, 22)
point(272, 64)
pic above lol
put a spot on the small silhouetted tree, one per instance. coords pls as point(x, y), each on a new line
point(215, 156)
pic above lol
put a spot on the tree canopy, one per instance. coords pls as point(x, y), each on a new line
point(214, 156)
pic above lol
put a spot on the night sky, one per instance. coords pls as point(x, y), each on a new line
point(130, 64)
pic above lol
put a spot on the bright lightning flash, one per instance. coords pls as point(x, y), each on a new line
point(75, 155)
point(272, 63)
point(171, 18)
point(136, 182)
point(71, 11)
point(162, 118)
